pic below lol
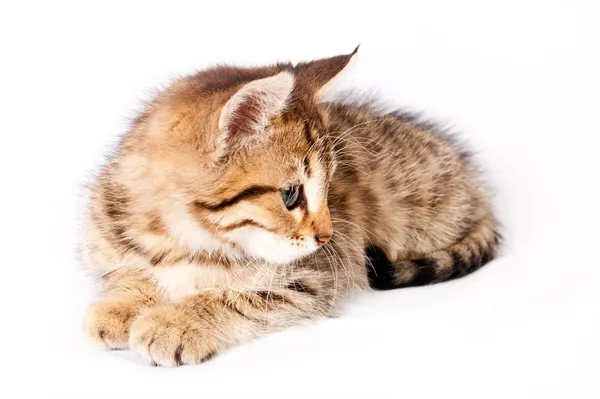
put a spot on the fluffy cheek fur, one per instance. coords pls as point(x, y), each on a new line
point(271, 247)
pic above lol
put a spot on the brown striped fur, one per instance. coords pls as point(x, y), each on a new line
point(195, 248)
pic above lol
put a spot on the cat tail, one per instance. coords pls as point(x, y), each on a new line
point(477, 247)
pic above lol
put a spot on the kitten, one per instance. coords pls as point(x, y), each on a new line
point(240, 204)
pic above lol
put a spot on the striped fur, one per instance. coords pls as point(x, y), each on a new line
point(195, 249)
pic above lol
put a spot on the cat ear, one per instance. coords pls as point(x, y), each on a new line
point(247, 113)
point(317, 76)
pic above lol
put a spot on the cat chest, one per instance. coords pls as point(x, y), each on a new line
point(179, 281)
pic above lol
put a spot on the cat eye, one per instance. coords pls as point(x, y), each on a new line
point(291, 196)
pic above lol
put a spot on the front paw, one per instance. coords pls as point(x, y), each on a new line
point(107, 323)
point(169, 337)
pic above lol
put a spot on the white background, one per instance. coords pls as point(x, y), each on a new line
point(520, 79)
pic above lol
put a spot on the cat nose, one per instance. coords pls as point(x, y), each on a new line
point(323, 238)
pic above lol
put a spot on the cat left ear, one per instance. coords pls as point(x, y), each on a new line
point(318, 75)
point(247, 113)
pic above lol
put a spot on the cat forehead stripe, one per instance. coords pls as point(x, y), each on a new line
point(308, 134)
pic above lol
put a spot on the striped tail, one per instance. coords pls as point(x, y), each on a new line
point(477, 248)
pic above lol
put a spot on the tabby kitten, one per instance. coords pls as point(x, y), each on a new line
point(240, 204)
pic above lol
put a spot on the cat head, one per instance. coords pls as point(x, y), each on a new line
point(238, 160)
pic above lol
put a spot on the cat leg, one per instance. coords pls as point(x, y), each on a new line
point(107, 320)
point(201, 326)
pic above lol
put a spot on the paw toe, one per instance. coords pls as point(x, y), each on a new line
point(166, 338)
point(106, 325)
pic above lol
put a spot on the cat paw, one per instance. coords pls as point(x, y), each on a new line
point(168, 337)
point(106, 324)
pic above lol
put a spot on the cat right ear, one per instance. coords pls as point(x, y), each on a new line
point(246, 114)
point(318, 75)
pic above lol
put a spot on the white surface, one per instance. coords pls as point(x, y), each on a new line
point(519, 78)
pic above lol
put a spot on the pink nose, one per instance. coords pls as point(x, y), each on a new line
point(323, 238)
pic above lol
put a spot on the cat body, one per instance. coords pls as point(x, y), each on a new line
point(241, 204)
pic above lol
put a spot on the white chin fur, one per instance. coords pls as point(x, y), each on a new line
point(269, 246)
